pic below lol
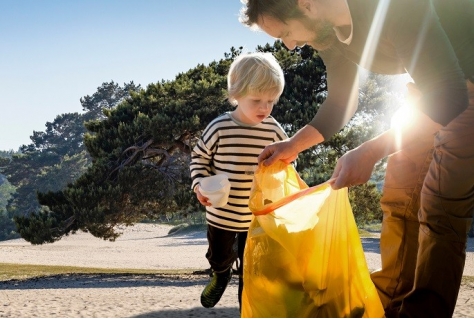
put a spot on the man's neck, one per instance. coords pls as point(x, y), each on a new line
point(341, 16)
point(342, 21)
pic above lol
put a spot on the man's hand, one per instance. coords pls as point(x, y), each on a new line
point(288, 150)
point(282, 150)
point(356, 166)
point(353, 168)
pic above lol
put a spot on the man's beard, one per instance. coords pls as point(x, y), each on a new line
point(324, 33)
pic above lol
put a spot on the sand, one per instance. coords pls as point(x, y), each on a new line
point(143, 246)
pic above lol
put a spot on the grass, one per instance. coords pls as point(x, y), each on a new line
point(468, 280)
point(370, 230)
point(23, 272)
point(366, 233)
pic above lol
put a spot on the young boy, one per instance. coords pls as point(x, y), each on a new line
point(230, 145)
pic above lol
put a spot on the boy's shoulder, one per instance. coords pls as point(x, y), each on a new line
point(218, 123)
point(270, 120)
point(273, 124)
point(221, 119)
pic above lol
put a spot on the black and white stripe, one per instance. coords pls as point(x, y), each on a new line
point(227, 147)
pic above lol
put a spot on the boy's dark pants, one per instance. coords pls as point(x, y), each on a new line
point(221, 253)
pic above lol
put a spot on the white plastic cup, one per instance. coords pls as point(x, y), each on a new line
point(216, 188)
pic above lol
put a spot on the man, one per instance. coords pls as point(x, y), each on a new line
point(428, 196)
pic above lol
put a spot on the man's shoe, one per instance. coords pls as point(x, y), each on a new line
point(214, 290)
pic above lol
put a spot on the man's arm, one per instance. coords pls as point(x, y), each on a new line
point(335, 112)
point(342, 97)
point(429, 58)
point(355, 167)
point(288, 150)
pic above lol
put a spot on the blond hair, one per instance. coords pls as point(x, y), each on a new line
point(254, 73)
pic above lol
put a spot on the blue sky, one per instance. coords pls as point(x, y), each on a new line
point(53, 52)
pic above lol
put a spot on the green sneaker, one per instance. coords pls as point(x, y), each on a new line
point(214, 290)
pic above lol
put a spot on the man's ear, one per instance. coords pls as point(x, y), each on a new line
point(305, 6)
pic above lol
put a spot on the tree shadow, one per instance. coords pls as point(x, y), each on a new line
point(186, 242)
point(371, 245)
point(196, 312)
point(74, 281)
point(470, 245)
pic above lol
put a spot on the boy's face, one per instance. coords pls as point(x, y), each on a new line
point(254, 108)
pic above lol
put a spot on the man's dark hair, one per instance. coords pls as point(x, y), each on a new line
point(282, 10)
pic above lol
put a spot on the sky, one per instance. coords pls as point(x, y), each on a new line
point(53, 52)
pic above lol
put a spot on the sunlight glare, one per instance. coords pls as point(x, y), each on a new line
point(403, 117)
point(374, 34)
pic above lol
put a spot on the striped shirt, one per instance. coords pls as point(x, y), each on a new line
point(231, 148)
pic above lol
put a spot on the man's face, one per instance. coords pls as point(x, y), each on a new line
point(297, 32)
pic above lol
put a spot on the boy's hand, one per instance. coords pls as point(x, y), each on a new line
point(201, 198)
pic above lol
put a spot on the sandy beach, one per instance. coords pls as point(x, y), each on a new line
point(143, 246)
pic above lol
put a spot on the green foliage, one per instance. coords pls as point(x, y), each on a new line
point(50, 151)
point(6, 191)
point(107, 96)
point(6, 154)
point(54, 159)
point(7, 226)
point(365, 202)
point(38, 228)
point(305, 86)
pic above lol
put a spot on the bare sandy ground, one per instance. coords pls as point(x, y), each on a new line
point(143, 246)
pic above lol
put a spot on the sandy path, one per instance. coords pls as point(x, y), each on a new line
point(142, 246)
point(113, 296)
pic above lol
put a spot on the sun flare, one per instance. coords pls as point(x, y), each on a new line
point(402, 118)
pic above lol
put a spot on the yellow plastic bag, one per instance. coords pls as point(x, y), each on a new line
point(303, 256)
